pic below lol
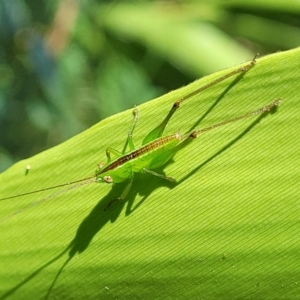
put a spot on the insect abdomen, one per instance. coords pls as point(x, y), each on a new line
point(159, 152)
point(151, 155)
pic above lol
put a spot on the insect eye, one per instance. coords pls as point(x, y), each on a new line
point(108, 179)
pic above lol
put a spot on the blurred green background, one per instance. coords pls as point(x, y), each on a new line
point(65, 65)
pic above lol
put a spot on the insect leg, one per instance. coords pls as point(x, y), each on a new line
point(129, 140)
point(127, 189)
point(110, 150)
point(158, 131)
point(123, 195)
point(263, 110)
point(158, 175)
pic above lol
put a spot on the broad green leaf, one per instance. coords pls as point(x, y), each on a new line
point(229, 227)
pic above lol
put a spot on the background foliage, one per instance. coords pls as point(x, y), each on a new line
point(66, 65)
point(229, 228)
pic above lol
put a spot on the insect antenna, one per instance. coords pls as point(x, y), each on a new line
point(74, 186)
point(48, 188)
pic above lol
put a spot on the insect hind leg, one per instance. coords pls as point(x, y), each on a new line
point(158, 131)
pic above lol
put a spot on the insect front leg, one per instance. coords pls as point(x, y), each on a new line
point(110, 150)
point(129, 140)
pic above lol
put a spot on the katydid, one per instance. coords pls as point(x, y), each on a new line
point(156, 149)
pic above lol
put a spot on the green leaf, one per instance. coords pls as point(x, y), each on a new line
point(229, 227)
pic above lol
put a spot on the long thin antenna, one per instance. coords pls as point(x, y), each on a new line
point(47, 198)
point(48, 188)
point(266, 108)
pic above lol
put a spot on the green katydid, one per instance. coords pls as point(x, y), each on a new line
point(156, 149)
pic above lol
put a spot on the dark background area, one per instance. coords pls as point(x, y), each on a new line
point(66, 65)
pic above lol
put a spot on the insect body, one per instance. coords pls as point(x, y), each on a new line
point(157, 153)
point(156, 150)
